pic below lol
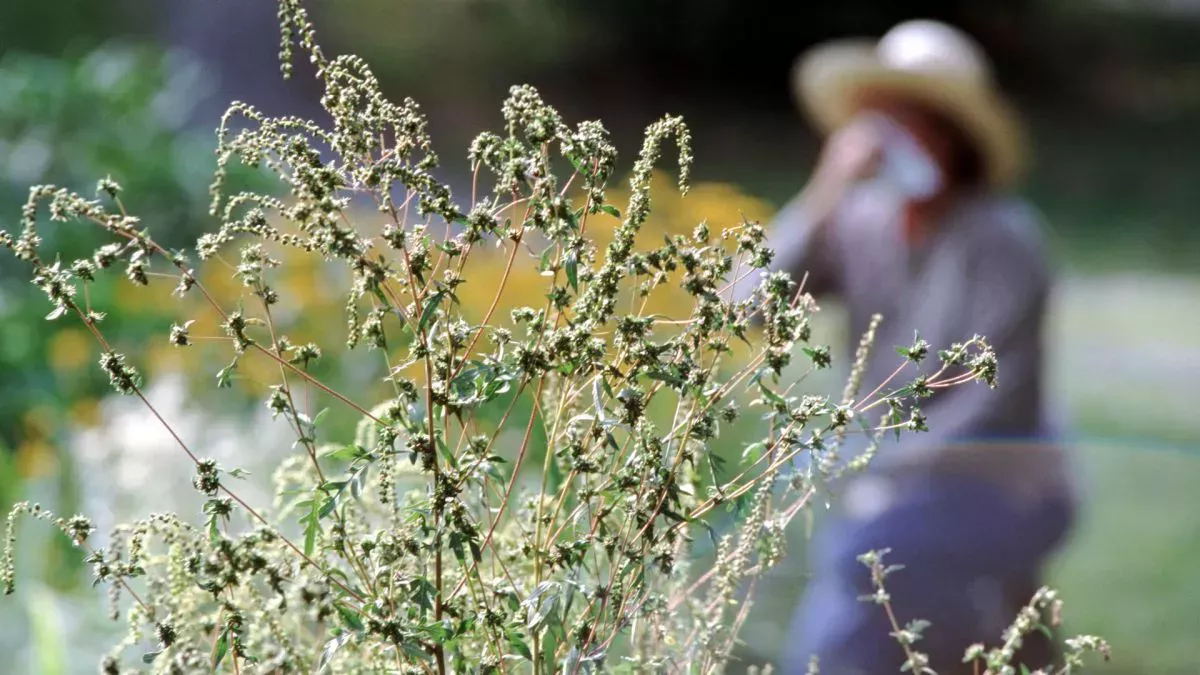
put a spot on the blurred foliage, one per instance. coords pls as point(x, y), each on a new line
point(116, 111)
point(470, 38)
point(712, 38)
point(53, 27)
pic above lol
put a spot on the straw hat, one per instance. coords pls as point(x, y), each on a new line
point(926, 61)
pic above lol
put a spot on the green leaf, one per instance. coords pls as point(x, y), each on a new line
point(353, 621)
point(320, 417)
point(611, 441)
point(572, 268)
point(571, 662)
point(310, 537)
point(330, 650)
point(446, 453)
point(712, 534)
point(894, 420)
point(424, 594)
point(456, 545)
point(332, 485)
point(550, 645)
point(597, 398)
point(569, 600)
point(345, 452)
point(415, 650)
point(149, 657)
point(439, 632)
point(572, 217)
point(220, 649)
point(543, 610)
point(663, 376)
point(539, 590)
point(427, 312)
point(517, 642)
point(225, 375)
point(312, 525)
point(673, 516)
point(327, 508)
point(819, 356)
point(213, 522)
point(493, 472)
point(610, 210)
point(333, 572)
point(771, 395)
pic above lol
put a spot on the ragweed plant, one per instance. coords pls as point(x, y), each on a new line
point(1042, 613)
point(523, 491)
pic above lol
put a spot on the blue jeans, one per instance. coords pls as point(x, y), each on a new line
point(972, 557)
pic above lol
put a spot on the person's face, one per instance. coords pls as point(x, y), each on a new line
point(926, 129)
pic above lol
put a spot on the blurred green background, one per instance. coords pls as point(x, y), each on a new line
point(133, 89)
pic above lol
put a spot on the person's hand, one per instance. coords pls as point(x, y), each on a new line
point(852, 153)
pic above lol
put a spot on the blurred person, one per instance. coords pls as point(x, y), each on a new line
point(908, 215)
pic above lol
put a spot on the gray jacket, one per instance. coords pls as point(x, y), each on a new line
point(981, 270)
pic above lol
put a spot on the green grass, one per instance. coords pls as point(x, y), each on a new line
point(1129, 574)
point(1127, 359)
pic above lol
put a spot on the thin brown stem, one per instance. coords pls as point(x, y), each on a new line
point(512, 481)
point(863, 401)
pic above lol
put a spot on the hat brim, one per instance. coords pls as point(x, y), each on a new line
point(830, 81)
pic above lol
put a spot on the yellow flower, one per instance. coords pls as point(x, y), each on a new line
point(69, 349)
point(130, 299)
point(85, 412)
point(302, 277)
point(39, 421)
point(221, 282)
point(720, 204)
point(413, 371)
point(36, 459)
point(524, 287)
point(35, 455)
point(256, 372)
point(162, 357)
